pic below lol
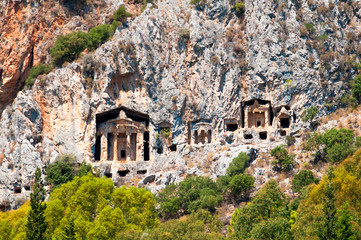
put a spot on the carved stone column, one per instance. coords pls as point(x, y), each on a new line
point(104, 146)
point(115, 147)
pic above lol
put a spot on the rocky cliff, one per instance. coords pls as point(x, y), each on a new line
point(179, 64)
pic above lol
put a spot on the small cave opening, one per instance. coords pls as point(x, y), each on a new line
point(259, 124)
point(263, 135)
point(123, 154)
point(141, 171)
point(97, 148)
point(27, 188)
point(231, 127)
point(159, 150)
point(146, 146)
point(173, 147)
point(285, 122)
point(108, 175)
point(17, 189)
point(123, 173)
point(248, 136)
point(283, 133)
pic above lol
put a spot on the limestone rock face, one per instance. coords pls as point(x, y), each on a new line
point(29, 28)
point(193, 68)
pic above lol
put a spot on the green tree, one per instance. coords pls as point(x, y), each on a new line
point(252, 219)
point(68, 47)
point(309, 114)
point(99, 35)
point(35, 72)
point(356, 88)
point(284, 161)
point(121, 14)
point(303, 179)
point(61, 171)
point(241, 184)
point(328, 230)
point(190, 195)
point(333, 145)
point(344, 225)
point(36, 225)
point(238, 164)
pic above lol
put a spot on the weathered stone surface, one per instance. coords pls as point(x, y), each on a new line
point(150, 67)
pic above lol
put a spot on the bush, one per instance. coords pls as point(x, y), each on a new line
point(99, 35)
point(61, 171)
point(68, 47)
point(309, 114)
point(284, 161)
point(184, 34)
point(64, 169)
point(241, 184)
point(255, 219)
point(238, 164)
point(333, 145)
point(239, 6)
point(190, 195)
point(356, 88)
point(121, 14)
point(290, 140)
point(35, 72)
point(199, 3)
point(303, 179)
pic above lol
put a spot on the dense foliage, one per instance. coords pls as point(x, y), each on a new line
point(189, 195)
point(333, 202)
point(64, 169)
point(283, 160)
point(333, 145)
point(121, 14)
point(200, 225)
point(36, 225)
point(309, 114)
point(303, 179)
point(235, 181)
point(356, 88)
point(69, 47)
point(266, 217)
point(35, 72)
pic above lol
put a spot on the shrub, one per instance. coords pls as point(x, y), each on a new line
point(68, 47)
point(239, 6)
point(241, 184)
point(199, 3)
point(284, 161)
point(356, 88)
point(309, 114)
point(121, 14)
point(303, 179)
point(61, 171)
point(35, 72)
point(333, 145)
point(99, 35)
point(252, 220)
point(190, 195)
point(184, 34)
point(64, 169)
point(238, 164)
point(290, 140)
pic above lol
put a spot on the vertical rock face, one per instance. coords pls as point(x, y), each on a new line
point(28, 29)
point(195, 69)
